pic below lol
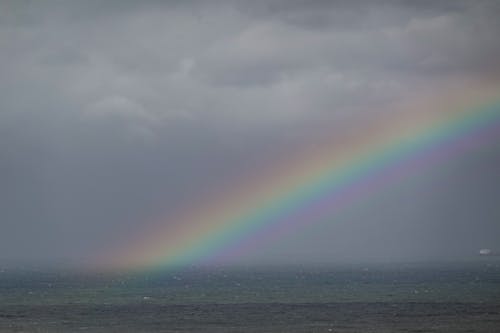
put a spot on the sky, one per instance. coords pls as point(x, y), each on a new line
point(113, 113)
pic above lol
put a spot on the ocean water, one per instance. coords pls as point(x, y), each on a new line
point(348, 298)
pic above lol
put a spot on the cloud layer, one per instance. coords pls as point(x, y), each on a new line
point(113, 112)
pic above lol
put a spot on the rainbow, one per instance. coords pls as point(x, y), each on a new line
point(313, 186)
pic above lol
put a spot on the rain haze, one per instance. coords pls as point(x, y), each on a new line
point(113, 113)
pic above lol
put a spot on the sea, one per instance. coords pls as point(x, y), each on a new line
point(396, 297)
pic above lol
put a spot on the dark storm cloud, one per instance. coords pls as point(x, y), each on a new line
point(111, 112)
point(372, 39)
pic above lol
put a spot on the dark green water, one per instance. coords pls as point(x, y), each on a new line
point(384, 298)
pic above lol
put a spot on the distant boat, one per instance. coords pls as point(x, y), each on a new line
point(486, 252)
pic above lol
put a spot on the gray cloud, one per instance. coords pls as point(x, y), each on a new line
point(111, 112)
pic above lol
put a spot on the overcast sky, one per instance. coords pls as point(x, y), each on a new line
point(112, 112)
